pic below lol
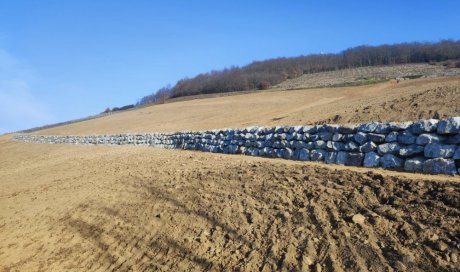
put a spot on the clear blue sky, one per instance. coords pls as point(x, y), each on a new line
point(61, 60)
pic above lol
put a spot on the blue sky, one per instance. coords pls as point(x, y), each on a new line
point(61, 60)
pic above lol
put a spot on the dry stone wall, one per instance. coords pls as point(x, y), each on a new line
point(428, 146)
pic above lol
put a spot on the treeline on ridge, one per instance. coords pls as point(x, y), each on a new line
point(263, 74)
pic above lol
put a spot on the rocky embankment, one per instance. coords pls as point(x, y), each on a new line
point(430, 146)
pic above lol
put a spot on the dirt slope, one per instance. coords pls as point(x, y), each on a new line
point(408, 100)
point(141, 209)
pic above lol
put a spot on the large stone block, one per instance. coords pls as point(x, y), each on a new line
point(456, 155)
point(368, 127)
point(406, 138)
point(360, 137)
point(330, 157)
point(304, 154)
point(334, 146)
point(439, 166)
point(318, 154)
point(392, 137)
point(320, 144)
point(449, 126)
point(388, 148)
point(376, 138)
point(436, 150)
point(367, 147)
point(414, 164)
point(427, 138)
point(341, 157)
point(288, 153)
point(394, 126)
point(371, 159)
point(411, 150)
point(423, 126)
point(325, 136)
point(390, 161)
point(354, 159)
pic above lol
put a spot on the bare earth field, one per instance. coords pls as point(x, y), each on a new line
point(99, 208)
point(408, 100)
point(126, 208)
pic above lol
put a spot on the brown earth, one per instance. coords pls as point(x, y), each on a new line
point(87, 208)
point(92, 208)
point(408, 100)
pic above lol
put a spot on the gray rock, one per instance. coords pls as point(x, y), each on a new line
point(423, 126)
point(376, 138)
point(360, 137)
point(341, 157)
point(455, 139)
point(388, 148)
point(334, 146)
point(414, 164)
point(427, 138)
point(394, 126)
point(368, 147)
point(449, 126)
point(368, 127)
point(354, 159)
point(320, 144)
point(351, 146)
point(347, 129)
point(439, 166)
point(371, 159)
point(337, 137)
point(411, 150)
point(392, 137)
point(390, 161)
point(317, 154)
point(406, 138)
point(346, 138)
point(436, 150)
point(383, 128)
point(331, 157)
point(325, 136)
point(456, 155)
point(304, 154)
point(288, 153)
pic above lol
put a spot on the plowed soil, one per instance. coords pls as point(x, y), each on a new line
point(88, 208)
point(142, 209)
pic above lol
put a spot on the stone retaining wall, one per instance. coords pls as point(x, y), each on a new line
point(428, 146)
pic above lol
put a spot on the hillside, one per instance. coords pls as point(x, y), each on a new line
point(104, 208)
point(368, 75)
point(263, 74)
point(387, 101)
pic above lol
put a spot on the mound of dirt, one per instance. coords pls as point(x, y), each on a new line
point(126, 208)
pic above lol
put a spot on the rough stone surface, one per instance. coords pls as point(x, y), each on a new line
point(423, 126)
point(439, 166)
point(411, 150)
point(436, 150)
point(430, 146)
point(428, 138)
point(371, 159)
point(414, 164)
point(449, 126)
point(391, 161)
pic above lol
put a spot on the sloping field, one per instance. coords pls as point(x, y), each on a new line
point(366, 75)
point(142, 209)
point(408, 100)
point(101, 208)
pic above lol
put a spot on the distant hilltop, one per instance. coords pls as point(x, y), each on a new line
point(261, 75)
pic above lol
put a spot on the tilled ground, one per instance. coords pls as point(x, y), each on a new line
point(142, 209)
